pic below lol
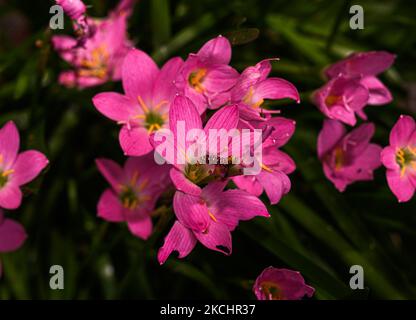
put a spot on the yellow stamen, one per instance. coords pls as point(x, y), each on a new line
point(212, 216)
point(134, 177)
point(266, 168)
point(151, 128)
point(142, 104)
point(402, 171)
point(143, 184)
point(1, 158)
point(7, 172)
point(196, 78)
point(139, 116)
point(161, 103)
point(331, 100)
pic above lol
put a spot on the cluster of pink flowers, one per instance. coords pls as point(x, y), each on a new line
point(16, 170)
point(349, 156)
point(207, 211)
point(98, 49)
point(205, 93)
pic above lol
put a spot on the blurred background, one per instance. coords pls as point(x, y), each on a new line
point(314, 229)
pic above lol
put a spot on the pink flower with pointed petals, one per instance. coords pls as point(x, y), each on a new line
point(276, 165)
point(16, 169)
point(281, 284)
point(206, 76)
point(12, 235)
point(400, 159)
point(187, 174)
point(209, 218)
point(342, 98)
point(144, 106)
point(134, 190)
point(254, 86)
point(347, 157)
point(366, 65)
point(97, 57)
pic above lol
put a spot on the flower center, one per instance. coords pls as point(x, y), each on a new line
point(331, 100)
point(271, 290)
point(96, 64)
point(196, 78)
point(406, 157)
point(339, 158)
point(129, 198)
point(248, 99)
point(4, 177)
point(131, 194)
point(153, 119)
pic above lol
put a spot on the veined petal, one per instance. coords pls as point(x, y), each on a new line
point(179, 239)
point(164, 88)
point(191, 212)
point(275, 88)
point(401, 186)
point(10, 196)
point(141, 228)
point(331, 134)
point(139, 73)
point(217, 238)
point(379, 94)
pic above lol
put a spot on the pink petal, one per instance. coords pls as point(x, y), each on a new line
point(12, 235)
point(134, 141)
point(179, 239)
point(233, 206)
point(401, 187)
point(111, 171)
point(164, 88)
point(115, 106)
point(402, 131)
point(216, 51)
point(283, 130)
point(379, 94)
point(109, 207)
point(249, 184)
point(330, 135)
point(217, 238)
point(362, 63)
point(220, 78)
point(388, 158)
point(191, 212)
point(27, 166)
point(275, 184)
point(141, 228)
point(182, 183)
point(275, 88)
point(225, 118)
point(139, 73)
point(9, 144)
point(10, 196)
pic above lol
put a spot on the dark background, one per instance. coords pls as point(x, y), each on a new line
point(314, 229)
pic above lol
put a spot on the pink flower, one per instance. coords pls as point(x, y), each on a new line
point(281, 284)
point(400, 159)
point(347, 157)
point(97, 57)
point(341, 98)
point(254, 86)
point(276, 165)
point(209, 218)
point(366, 65)
point(16, 169)
point(206, 77)
point(189, 174)
point(75, 9)
point(12, 235)
point(144, 107)
point(134, 190)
